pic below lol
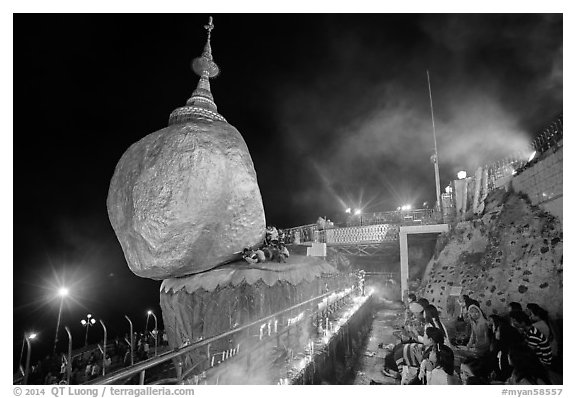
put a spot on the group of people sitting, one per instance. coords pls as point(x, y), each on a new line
point(513, 349)
point(273, 248)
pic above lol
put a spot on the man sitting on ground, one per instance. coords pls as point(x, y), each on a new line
point(534, 338)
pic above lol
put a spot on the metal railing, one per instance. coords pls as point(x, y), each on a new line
point(416, 216)
point(372, 227)
point(549, 136)
point(179, 353)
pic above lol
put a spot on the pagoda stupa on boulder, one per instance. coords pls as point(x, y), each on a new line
point(185, 199)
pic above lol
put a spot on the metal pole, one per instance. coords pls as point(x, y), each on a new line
point(131, 341)
point(69, 364)
point(146, 328)
point(104, 348)
point(436, 169)
point(86, 338)
point(58, 324)
point(27, 368)
point(155, 334)
point(21, 352)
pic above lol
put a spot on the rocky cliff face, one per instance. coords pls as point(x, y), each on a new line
point(513, 252)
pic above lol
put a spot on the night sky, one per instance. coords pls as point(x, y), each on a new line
point(334, 110)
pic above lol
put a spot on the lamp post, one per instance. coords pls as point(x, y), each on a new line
point(155, 331)
point(434, 157)
point(69, 357)
point(131, 342)
point(27, 367)
point(104, 348)
point(62, 292)
point(31, 336)
point(89, 321)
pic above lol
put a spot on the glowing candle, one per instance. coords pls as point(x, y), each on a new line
point(212, 363)
point(222, 356)
point(276, 326)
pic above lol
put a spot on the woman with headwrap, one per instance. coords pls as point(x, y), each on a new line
point(476, 354)
point(479, 342)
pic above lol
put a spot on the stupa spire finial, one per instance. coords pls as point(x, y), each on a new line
point(201, 104)
point(209, 27)
point(205, 62)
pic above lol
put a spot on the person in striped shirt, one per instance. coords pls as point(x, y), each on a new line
point(534, 338)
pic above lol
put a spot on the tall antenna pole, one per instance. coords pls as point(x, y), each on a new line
point(435, 156)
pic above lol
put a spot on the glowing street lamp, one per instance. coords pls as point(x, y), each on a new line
point(348, 210)
point(89, 321)
point(155, 331)
point(358, 212)
point(62, 292)
point(461, 175)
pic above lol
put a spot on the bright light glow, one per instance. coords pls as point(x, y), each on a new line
point(406, 207)
point(63, 291)
point(448, 189)
point(149, 312)
point(83, 322)
point(348, 210)
point(357, 212)
point(32, 336)
point(461, 175)
point(532, 155)
point(92, 321)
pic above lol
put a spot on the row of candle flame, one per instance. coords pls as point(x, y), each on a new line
point(330, 330)
point(225, 355)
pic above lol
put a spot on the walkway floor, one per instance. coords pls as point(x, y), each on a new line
point(372, 362)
